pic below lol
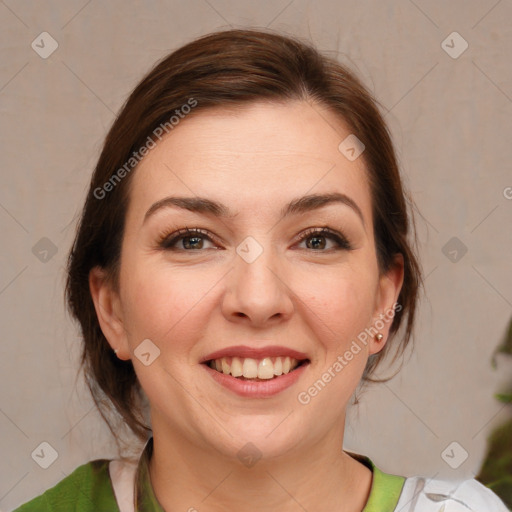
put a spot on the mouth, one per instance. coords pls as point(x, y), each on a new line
point(256, 370)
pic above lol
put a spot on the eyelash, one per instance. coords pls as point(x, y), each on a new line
point(166, 240)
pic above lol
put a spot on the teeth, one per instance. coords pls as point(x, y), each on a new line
point(278, 366)
point(251, 368)
point(236, 367)
point(266, 369)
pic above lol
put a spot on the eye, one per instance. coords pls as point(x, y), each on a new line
point(191, 239)
point(318, 237)
point(194, 239)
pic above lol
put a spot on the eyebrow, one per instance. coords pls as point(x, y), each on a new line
point(304, 204)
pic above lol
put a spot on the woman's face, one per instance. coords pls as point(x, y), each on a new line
point(255, 283)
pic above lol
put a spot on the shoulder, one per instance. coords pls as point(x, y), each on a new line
point(424, 495)
point(86, 489)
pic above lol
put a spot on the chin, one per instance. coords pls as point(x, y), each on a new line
point(258, 437)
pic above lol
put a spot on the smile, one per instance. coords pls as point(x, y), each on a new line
point(256, 387)
point(247, 368)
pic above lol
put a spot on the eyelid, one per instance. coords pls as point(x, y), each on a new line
point(326, 231)
point(168, 238)
point(174, 235)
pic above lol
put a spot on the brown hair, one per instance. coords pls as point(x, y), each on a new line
point(226, 68)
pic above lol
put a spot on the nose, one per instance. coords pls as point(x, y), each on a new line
point(257, 292)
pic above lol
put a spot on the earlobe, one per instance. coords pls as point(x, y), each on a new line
point(390, 284)
point(108, 310)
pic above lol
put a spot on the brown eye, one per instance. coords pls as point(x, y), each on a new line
point(191, 239)
point(318, 239)
point(318, 242)
point(192, 242)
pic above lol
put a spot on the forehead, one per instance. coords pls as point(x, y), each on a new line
point(253, 156)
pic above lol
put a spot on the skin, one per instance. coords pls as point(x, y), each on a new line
point(191, 302)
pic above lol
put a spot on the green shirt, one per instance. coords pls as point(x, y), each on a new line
point(89, 489)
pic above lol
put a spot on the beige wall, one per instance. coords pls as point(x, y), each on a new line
point(451, 119)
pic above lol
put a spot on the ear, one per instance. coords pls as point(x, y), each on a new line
point(388, 290)
point(109, 312)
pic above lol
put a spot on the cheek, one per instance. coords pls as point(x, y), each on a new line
point(336, 317)
point(339, 306)
point(160, 303)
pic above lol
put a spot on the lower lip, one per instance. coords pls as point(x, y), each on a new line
point(257, 389)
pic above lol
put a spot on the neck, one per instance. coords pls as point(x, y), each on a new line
point(321, 477)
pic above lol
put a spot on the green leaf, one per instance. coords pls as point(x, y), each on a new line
point(496, 469)
point(506, 345)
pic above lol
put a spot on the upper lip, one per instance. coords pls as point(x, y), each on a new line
point(255, 353)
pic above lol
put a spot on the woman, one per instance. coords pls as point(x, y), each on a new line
point(243, 261)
